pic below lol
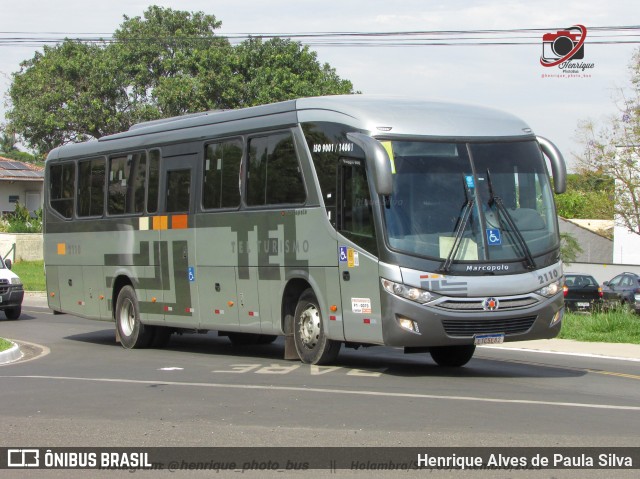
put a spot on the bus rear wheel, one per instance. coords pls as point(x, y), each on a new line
point(452, 356)
point(312, 344)
point(133, 334)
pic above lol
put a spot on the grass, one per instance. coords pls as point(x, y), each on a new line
point(615, 326)
point(31, 273)
point(4, 344)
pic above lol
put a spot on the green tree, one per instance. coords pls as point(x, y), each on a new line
point(163, 64)
point(613, 149)
point(175, 63)
point(9, 147)
point(285, 70)
point(70, 92)
point(8, 140)
point(569, 248)
point(588, 196)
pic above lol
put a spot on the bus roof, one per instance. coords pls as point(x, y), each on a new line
point(382, 116)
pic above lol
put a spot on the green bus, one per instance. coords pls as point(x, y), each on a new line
point(340, 220)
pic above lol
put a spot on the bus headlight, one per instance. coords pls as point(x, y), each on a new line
point(408, 292)
point(551, 289)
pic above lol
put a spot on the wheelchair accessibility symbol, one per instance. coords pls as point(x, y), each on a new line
point(343, 254)
point(493, 237)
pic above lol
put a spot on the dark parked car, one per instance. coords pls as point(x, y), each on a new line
point(622, 289)
point(581, 292)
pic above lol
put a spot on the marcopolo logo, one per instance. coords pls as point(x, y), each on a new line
point(565, 49)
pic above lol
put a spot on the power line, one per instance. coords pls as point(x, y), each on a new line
point(605, 35)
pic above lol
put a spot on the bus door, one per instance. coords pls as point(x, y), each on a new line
point(216, 237)
point(177, 236)
point(357, 255)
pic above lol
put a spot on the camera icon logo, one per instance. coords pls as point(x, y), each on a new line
point(563, 45)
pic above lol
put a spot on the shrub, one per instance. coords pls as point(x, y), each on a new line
point(21, 221)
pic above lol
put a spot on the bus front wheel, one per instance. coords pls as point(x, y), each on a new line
point(452, 356)
point(133, 334)
point(312, 344)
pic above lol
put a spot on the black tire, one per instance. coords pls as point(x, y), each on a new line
point(133, 334)
point(312, 344)
point(13, 313)
point(452, 356)
point(161, 336)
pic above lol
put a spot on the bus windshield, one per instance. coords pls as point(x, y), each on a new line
point(471, 202)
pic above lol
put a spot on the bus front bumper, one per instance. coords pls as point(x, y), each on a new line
point(409, 324)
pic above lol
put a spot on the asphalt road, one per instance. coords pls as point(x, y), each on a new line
point(77, 387)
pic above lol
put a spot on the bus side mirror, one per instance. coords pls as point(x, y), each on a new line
point(378, 158)
point(558, 166)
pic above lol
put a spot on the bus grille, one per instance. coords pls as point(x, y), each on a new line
point(476, 304)
point(4, 286)
point(456, 327)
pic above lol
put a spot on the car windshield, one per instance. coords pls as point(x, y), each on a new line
point(580, 281)
point(472, 202)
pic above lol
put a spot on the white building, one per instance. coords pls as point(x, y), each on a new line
point(20, 183)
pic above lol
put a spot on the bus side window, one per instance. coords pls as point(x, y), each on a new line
point(127, 175)
point(356, 213)
point(153, 188)
point(178, 191)
point(220, 188)
point(273, 176)
point(91, 176)
point(62, 188)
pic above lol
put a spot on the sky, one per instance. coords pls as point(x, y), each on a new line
point(509, 78)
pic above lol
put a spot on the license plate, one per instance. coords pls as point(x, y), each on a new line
point(582, 305)
point(488, 339)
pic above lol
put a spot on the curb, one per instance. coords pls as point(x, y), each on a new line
point(11, 354)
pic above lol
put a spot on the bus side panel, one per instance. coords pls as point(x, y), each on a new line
point(269, 292)
point(335, 319)
point(360, 288)
point(218, 297)
point(71, 289)
point(248, 299)
point(53, 290)
point(95, 304)
point(180, 303)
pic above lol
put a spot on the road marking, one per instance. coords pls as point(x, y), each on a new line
point(528, 402)
point(610, 373)
point(583, 355)
point(566, 368)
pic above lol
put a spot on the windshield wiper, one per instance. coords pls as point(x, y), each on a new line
point(462, 225)
point(504, 213)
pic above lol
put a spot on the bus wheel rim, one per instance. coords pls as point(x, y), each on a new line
point(310, 327)
point(127, 317)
